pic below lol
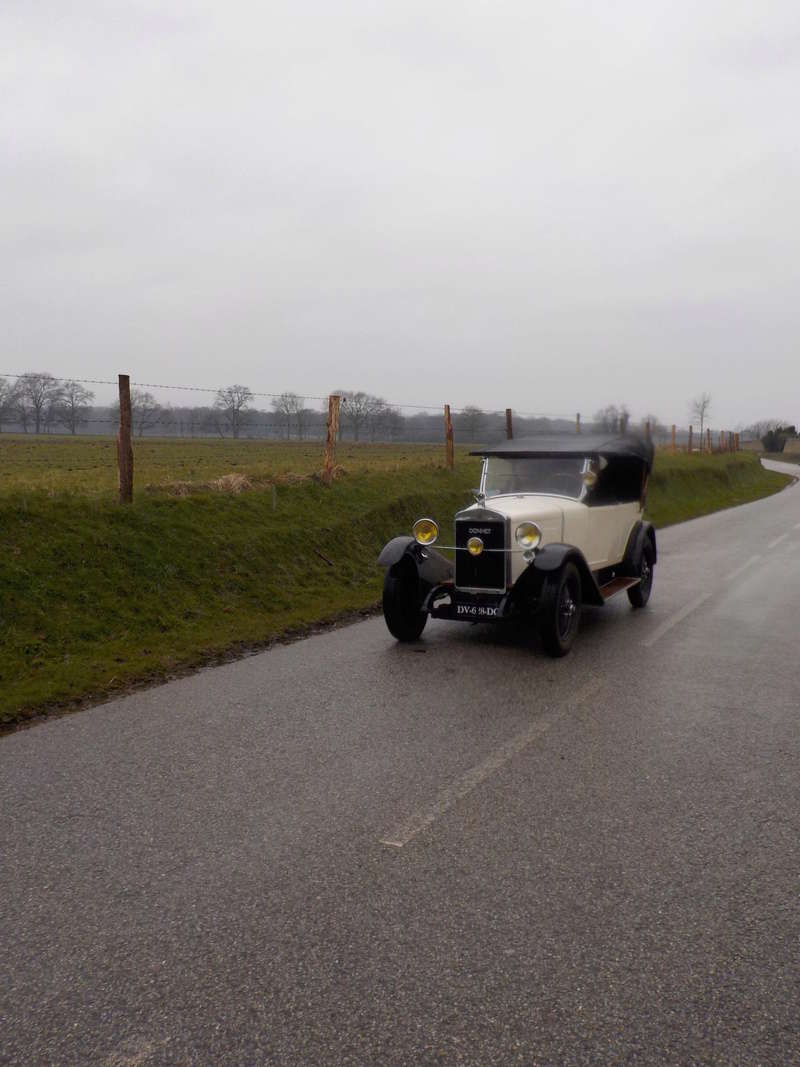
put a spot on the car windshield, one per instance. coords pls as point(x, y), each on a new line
point(562, 476)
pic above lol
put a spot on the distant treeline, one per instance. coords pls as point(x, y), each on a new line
point(306, 425)
point(40, 403)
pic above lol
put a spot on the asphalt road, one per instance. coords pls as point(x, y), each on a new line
point(591, 860)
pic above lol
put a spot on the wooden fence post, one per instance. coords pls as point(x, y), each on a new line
point(673, 438)
point(331, 437)
point(691, 435)
point(124, 447)
point(578, 423)
point(708, 440)
point(722, 440)
point(448, 439)
point(509, 425)
point(647, 431)
point(736, 443)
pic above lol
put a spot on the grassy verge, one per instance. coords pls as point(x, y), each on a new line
point(94, 597)
point(684, 487)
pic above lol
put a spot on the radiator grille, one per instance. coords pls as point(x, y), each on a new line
point(488, 570)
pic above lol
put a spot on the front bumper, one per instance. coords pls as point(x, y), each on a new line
point(446, 602)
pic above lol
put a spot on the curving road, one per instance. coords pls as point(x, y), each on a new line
point(345, 851)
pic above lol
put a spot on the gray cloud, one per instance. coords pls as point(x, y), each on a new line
point(550, 206)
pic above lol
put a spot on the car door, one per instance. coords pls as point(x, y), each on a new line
point(603, 535)
point(614, 506)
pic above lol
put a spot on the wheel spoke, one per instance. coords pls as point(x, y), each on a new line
point(567, 609)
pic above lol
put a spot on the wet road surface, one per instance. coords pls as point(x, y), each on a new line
point(347, 851)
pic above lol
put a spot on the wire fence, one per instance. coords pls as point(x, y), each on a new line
point(41, 401)
point(401, 405)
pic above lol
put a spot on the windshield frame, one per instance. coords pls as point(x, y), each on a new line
point(586, 465)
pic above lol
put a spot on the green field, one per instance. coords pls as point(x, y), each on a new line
point(87, 465)
point(95, 597)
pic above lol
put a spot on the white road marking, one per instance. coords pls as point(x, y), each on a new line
point(777, 541)
point(464, 785)
point(665, 627)
point(740, 570)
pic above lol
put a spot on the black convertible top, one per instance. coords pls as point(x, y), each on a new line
point(627, 446)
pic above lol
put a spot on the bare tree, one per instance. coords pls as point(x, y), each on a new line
point(197, 420)
point(303, 415)
point(7, 399)
point(165, 420)
point(233, 402)
point(20, 410)
point(355, 409)
point(289, 406)
point(73, 406)
point(36, 395)
point(146, 412)
point(700, 408)
point(612, 419)
point(378, 418)
point(658, 431)
point(470, 420)
point(383, 420)
point(395, 424)
point(211, 420)
point(773, 433)
point(758, 429)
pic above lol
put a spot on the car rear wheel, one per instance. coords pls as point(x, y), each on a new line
point(640, 594)
point(560, 610)
point(401, 603)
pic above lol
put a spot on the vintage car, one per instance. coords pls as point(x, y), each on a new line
point(556, 524)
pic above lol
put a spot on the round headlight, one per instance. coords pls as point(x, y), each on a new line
point(528, 535)
point(425, 531)
point(474, 546)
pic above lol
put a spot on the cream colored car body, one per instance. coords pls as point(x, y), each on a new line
point(600, 533)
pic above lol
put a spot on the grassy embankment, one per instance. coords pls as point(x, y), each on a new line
point(684, 487)
point(94, 597)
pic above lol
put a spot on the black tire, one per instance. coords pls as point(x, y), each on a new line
point(560, 610)
point(401, 603)
point(640, 594)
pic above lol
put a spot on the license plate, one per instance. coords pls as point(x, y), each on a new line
point(476, 611)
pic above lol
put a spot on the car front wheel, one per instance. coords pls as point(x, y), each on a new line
point(560, 610)
point(640, 594)
point(401, 604)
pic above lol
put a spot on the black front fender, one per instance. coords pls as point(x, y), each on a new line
point(394, 550)
point(642, 531)
point(550, 559)
point(431, 566)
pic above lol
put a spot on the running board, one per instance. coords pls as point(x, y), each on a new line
point(616, 585)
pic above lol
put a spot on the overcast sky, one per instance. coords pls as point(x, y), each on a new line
point(553, 206)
